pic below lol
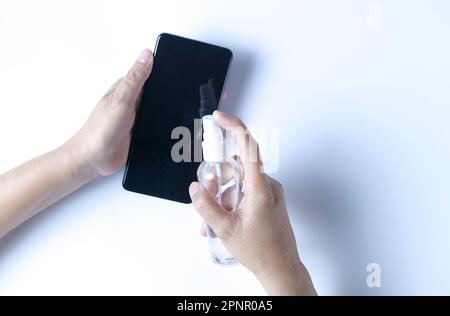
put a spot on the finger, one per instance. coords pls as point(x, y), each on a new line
point(230, 199)
point(131, 85)
point(248, 148)
point(211, 186)
point(113, 87)
point(203, 230)
point(276, 186)
point(208, 208)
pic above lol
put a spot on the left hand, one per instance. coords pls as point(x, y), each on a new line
point(100, 147)
point(102, 144)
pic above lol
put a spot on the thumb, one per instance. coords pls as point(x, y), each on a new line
point(131, 85)
point(208, 208)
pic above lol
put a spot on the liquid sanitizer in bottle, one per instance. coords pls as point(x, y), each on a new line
point(221, 176)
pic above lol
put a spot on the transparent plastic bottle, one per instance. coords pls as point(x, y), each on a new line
point(221, 176)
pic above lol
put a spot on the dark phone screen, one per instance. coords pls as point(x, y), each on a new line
point(186, 83)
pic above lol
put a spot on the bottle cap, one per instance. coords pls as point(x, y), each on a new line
point(213, 141)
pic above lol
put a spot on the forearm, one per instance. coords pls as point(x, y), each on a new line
point(38, 183)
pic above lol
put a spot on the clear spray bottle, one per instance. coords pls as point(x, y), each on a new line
point(221, 176)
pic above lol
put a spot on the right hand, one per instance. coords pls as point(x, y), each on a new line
point(258, 234)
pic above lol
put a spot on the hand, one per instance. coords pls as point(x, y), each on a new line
point(258, 234)
point(102, 143)
point(99, 148)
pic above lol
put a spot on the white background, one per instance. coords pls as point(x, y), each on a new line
point(360, 92)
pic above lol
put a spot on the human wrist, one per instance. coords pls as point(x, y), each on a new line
point(293, 280)
point(79, 165)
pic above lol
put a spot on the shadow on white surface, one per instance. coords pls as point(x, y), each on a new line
point(326, 203)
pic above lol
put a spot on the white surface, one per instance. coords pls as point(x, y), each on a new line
point(360, 91)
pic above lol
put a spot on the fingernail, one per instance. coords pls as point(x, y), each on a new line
point(193, 188)
point(145, 56)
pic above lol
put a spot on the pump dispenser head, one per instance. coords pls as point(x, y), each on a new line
point(213, 141)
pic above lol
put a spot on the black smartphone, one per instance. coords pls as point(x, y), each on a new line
point(186, 82)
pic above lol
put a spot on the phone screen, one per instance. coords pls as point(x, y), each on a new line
point(186, 83)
